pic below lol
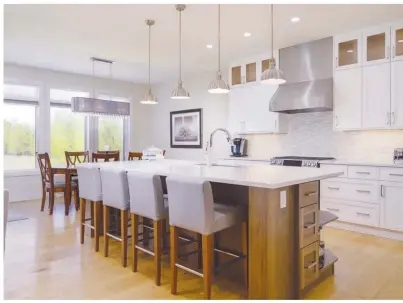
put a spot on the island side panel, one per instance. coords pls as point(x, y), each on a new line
point(273, 244)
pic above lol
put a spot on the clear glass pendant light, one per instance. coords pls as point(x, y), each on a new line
point(272, 75)
point(149, 98)
point(219, 85)
point(180, 91)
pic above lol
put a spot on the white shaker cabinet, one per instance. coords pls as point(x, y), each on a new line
point(347, 51)
point(391, 209)
point(237, 110)
point(376, 45)
point(347, 99)
point(397, 41)
point(376, 96)
point(397, 95)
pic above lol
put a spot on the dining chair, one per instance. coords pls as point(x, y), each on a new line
point(76, 157)
point(49, 185)
point(106, 156)
point(135, 155)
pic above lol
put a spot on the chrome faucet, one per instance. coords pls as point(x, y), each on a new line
point(216, 130)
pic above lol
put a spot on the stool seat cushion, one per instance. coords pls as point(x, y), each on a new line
point(226, 216)
point(89, 182)
point(115, 188)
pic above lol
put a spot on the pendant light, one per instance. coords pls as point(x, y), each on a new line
point(272, 75)
point(149, 98)
point(218, 85)
point(180, 91)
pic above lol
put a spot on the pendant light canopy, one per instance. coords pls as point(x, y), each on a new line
point(149, 98)
point(180, 91)
point(272, 75)
point(219, 85)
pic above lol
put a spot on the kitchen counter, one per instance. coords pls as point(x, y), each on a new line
point(363, 163)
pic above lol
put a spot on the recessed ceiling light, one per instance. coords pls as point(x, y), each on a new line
point(209, 46)
point(247, 34)
point(349, 51)
point(295, 19)
point(400, 41)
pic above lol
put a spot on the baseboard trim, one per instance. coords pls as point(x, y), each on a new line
point(395, 235)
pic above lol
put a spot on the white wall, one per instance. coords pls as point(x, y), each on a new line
point(26, 185)
point(156, 120)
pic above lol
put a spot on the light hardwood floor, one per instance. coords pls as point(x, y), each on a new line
point(44, 260)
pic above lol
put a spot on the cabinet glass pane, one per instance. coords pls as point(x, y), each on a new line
point(376, 47)
point(265, 64)
point(251, 72)
point(399, 42)
point(236, 75)
point(348, 53)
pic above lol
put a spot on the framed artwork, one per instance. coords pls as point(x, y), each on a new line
point(186, 128)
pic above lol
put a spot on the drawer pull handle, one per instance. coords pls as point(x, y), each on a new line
point(333, 209)
point(363, 172)
point(397, 175)
point(363, 214)
point(309, 226)
point(311, 265)
point(335, 188)
point(363, 191)
point(309, 194)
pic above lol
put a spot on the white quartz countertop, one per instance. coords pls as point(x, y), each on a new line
point(363, 163)
point(266, 176)
point(246, 159)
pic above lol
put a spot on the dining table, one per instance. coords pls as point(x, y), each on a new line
point(68, 171)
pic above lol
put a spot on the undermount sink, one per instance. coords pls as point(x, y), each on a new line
point(215, 164)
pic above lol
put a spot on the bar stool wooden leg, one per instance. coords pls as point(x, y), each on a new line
point(164, 233)
point(82, 220)
point(106, 227)
point(92, 218)
point(199, 250)
point(157, 250)
point(134, 219)
point(245, 252)
point(96, 224)
point(207, 246)
point(146, 233)
point(123, 231)
point(174, 257)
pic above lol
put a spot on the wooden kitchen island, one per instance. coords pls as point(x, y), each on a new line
point(283, 221)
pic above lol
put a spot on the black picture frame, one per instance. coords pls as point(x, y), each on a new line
point(184, 144)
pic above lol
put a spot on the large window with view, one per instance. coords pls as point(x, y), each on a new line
point(67, 129)
point(19, 112)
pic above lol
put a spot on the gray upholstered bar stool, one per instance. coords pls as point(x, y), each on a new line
point(115, 193)
point(89, 184)
point(147, 200)
point(191, 206)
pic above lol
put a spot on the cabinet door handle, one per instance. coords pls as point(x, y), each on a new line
point(363, 214)
point(310, 193)
point(311, 265)
point(393, 117)
point(397, 175)
point(337, 62)
point(335, 188)
point(387, 118)
point(333, 209)
point(363, 191)
point(388, 52)
point(363, 172)
point(337, 123)
point(382, 195)
point(310, 226)
point(393, 51)
point(275, 124)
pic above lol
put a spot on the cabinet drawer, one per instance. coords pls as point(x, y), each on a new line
point(342, 168)
point(333, 189)
point(338, 209)
point(364, 191)
point(363, 172)
point(308, 193)
point(308, 225)
point(391, 174)
point(309, 264)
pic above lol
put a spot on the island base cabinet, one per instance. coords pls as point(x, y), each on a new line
point(392, 206)
point(309, 264)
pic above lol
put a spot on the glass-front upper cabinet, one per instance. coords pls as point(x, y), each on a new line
point(250, 72)
point(397, 41)
point(376, 45)
point(236, 75)
point(347, 51)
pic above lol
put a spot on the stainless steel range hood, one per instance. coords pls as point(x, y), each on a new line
point(308, 69)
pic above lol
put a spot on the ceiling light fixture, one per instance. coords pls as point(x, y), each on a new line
point(149, 98)
point(218, 85)
point(295, 19)
point(272, 75)
point(180, 91)
point(209, 46)
point(247, 34)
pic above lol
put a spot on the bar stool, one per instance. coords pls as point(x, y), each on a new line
point(115, 193)
point(191, 206)
point(147, 200)
point(89, 183)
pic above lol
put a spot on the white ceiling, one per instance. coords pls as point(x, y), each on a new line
point(63, 37)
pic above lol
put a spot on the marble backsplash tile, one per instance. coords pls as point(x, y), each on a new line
point(311, 134)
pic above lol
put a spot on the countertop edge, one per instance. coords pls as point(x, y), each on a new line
point(352, 163)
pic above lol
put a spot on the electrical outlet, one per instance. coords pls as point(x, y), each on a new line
point(283, 199)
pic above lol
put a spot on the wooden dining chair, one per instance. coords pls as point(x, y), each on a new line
point(49, 185)
point(77, 157)
point(135, 155)
point(106, 156)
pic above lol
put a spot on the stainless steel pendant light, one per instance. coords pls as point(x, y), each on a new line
point(272, 75)
point(180, 91)
point(219, 85)
point(149, 98)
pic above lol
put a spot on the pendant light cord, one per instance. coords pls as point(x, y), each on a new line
point(272, 35)
point(149, 57)
point(180, 46)
point(93, 76)
point(219, 38)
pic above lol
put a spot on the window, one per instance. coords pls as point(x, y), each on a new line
point(67, 129)
point(20, 107)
